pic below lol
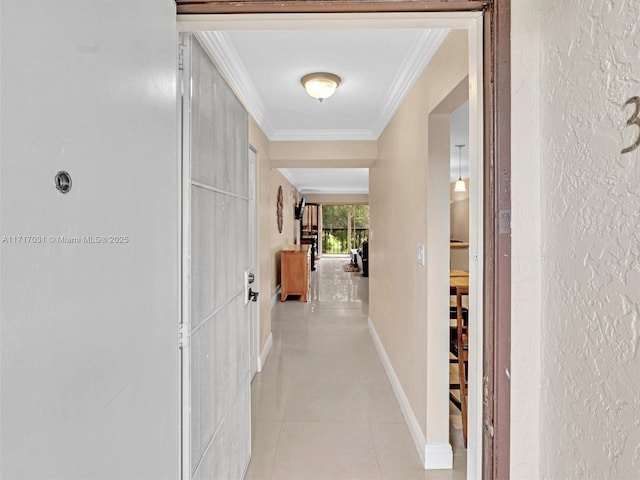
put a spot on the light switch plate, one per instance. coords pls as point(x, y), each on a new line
point(421, 254)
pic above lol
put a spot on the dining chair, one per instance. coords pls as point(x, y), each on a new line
point(453, 316)
point(459, 350)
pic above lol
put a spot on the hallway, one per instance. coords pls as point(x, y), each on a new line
point(323, 408)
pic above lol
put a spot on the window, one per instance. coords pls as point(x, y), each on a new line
point(344, 227)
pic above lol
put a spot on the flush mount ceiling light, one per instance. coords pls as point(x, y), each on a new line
point(320, 85)
point(460, 186)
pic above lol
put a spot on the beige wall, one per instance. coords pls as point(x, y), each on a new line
point(266, 215)
point(348, 199)
point(397, 198)
point(270, 241)
point(290, 226)
point(323, 154)
point(459, 208)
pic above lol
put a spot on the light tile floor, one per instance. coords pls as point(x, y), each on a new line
point(323, 408)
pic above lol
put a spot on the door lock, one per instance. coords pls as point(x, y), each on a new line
point(249, 295)
point(253, 296)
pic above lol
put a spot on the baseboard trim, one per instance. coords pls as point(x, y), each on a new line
point(275, 298)
point(262, 358)
point(438, 456)
point(434, 456)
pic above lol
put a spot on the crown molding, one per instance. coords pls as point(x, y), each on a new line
point(289, 176)
point(414, 63)
point(303, 135)
point(332, 191)
point(226, 57)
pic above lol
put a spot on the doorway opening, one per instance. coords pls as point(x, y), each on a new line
point(454, 264)
point(344, 228)
point(473, 23)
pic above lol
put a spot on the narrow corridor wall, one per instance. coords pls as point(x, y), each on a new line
point(397, 199)
point(270, 240)
point(265, 208)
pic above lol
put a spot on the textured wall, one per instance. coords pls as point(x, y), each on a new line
point(590, 408)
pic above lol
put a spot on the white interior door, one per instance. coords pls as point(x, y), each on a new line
point(216, 379)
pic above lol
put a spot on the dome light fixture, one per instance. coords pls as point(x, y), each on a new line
point(320, 85)
point(460, 185)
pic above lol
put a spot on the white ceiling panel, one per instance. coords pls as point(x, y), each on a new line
point(328, 180)
point(377, 67)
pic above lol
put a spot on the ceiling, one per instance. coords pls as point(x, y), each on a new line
point(329, 180)
point(377, 67)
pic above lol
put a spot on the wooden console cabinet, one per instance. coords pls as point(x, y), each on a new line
point(294, 271)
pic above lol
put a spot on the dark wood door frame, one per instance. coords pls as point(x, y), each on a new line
point(497, 241)
point(328, 6)
point(497, 177)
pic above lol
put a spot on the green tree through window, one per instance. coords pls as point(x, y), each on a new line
point(344, 227)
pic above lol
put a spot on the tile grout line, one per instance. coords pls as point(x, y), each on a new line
point(275, 453)
point(375, 451)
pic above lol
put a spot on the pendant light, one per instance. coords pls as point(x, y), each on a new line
point(460, 185)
